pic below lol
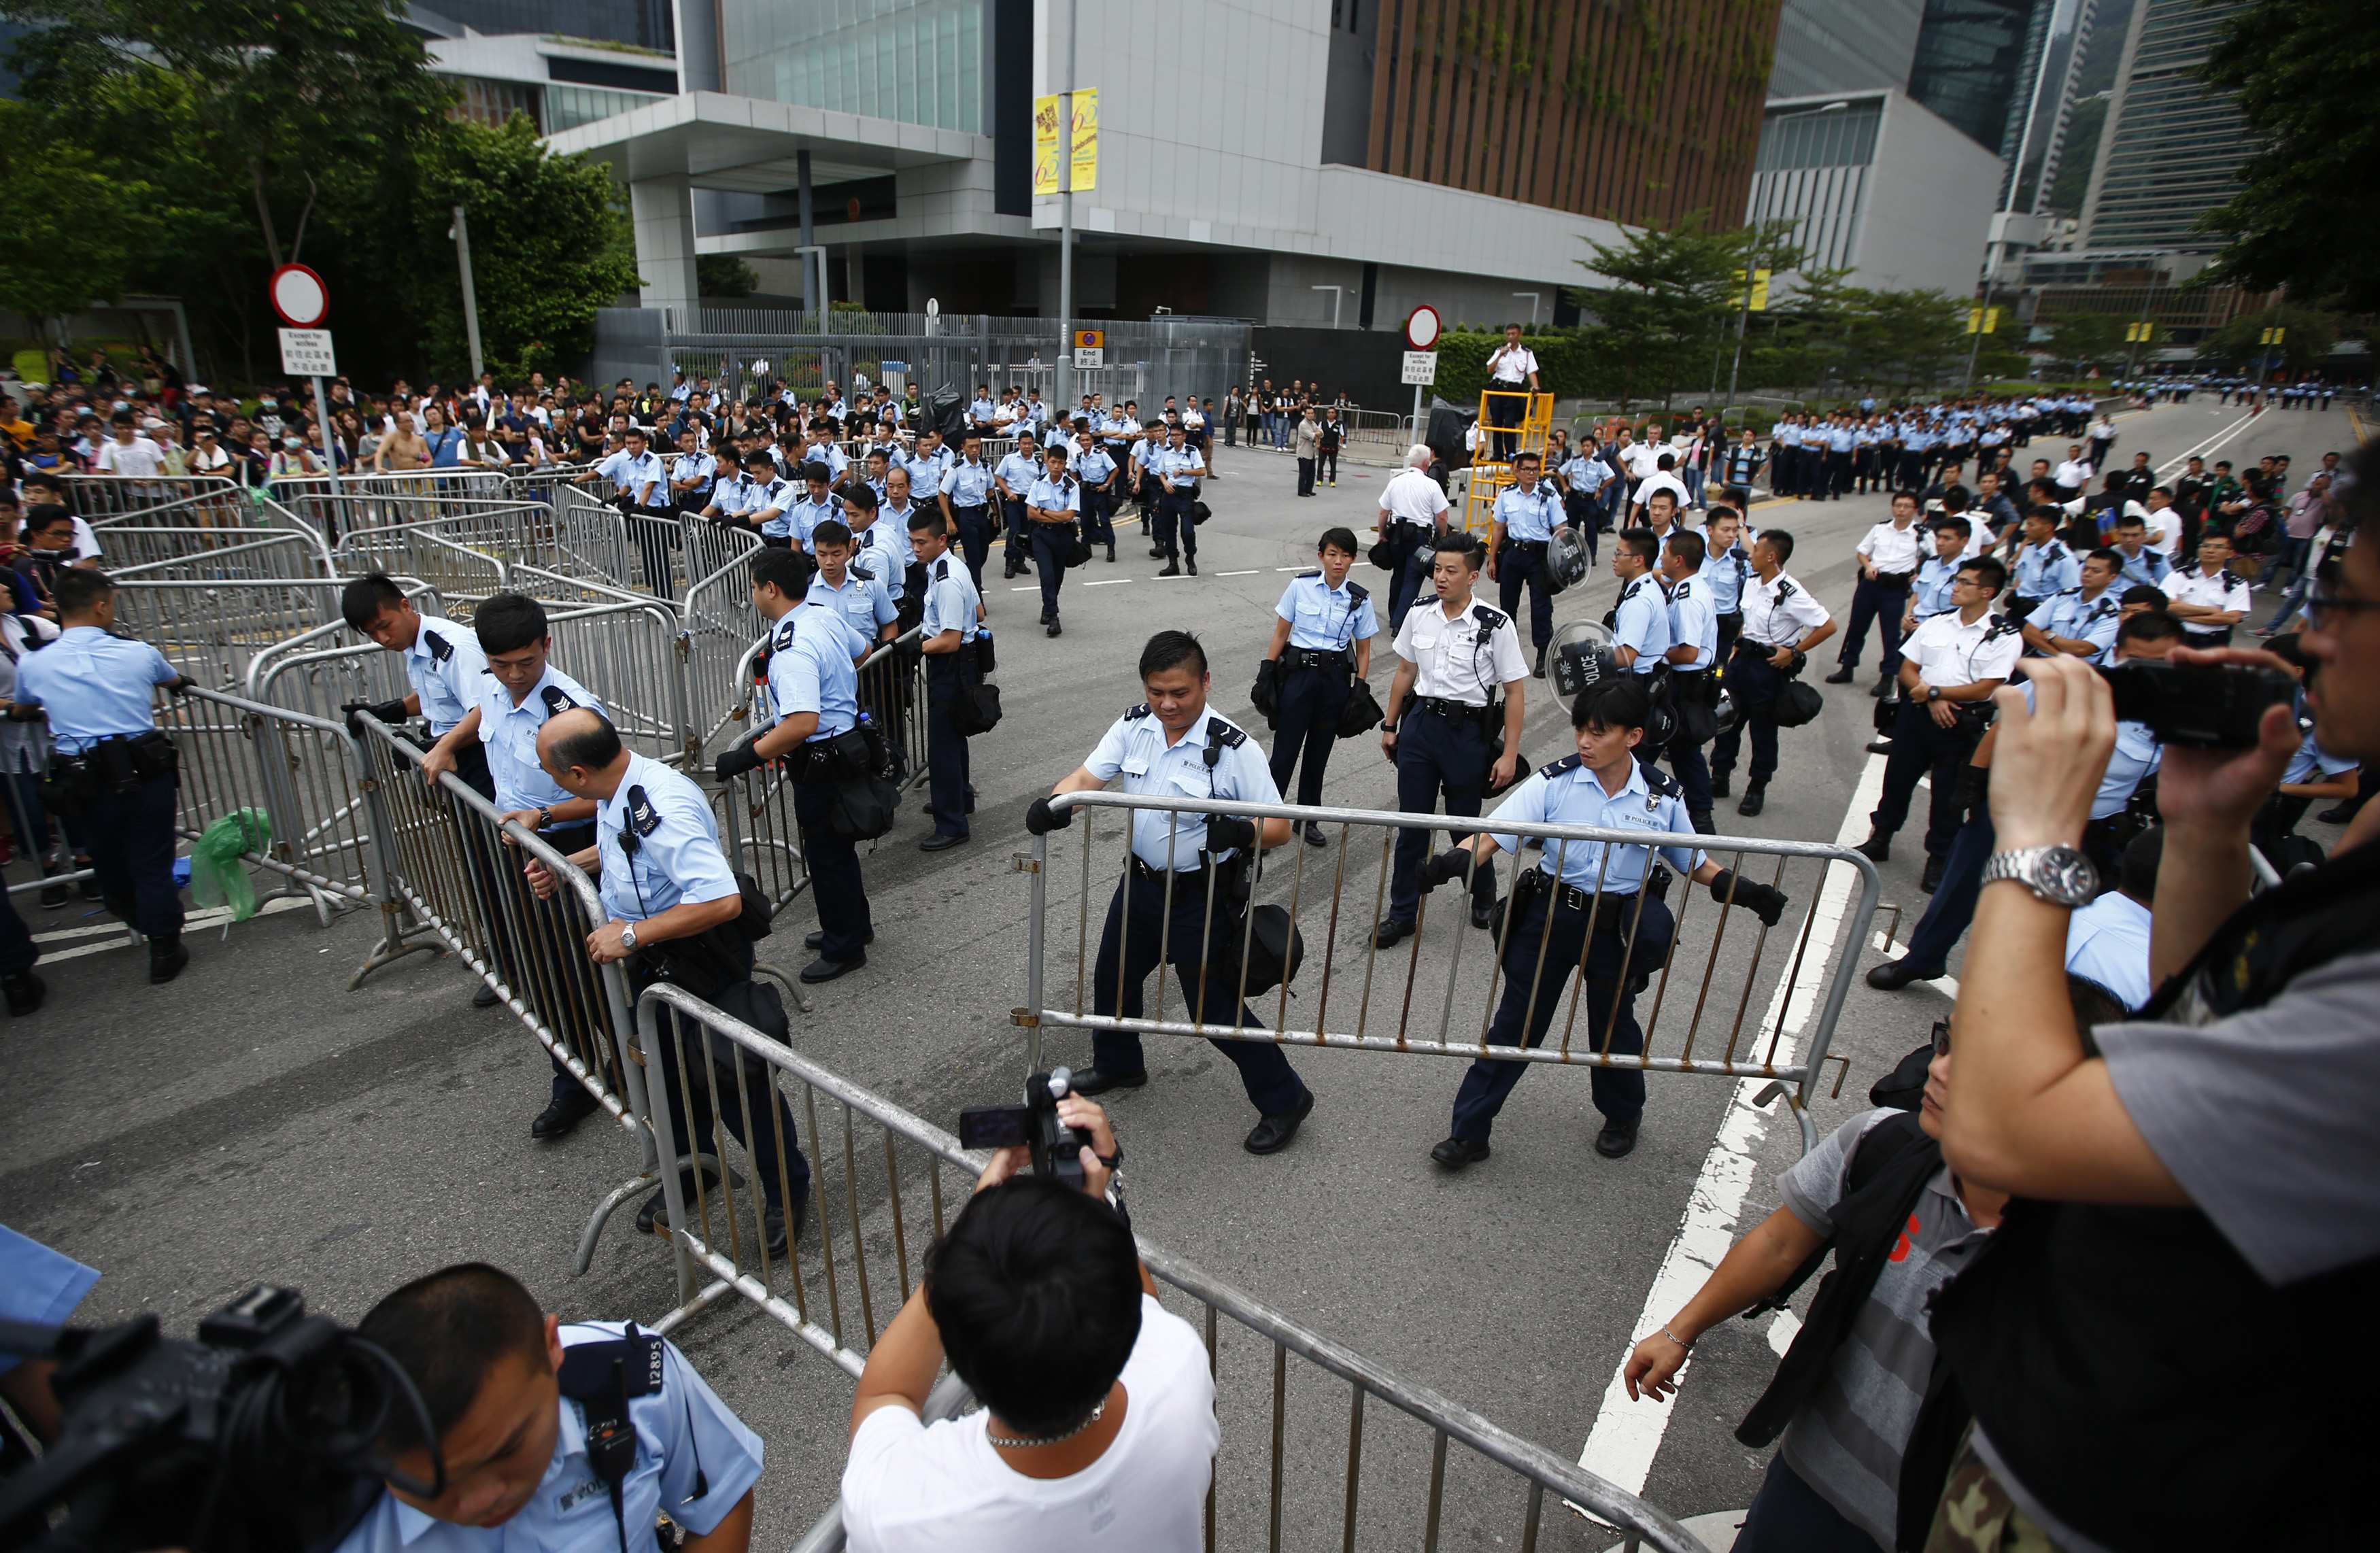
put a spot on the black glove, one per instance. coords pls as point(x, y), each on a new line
point(1975, 788)
point(380, 711)
point(1763, 901)
point(182, 685)
point(736, 761)
point(1040, 818)
point(1445, 868)
point(1231, 831)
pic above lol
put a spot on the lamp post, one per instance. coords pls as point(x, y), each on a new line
point(461, 232)
point(1744, 309)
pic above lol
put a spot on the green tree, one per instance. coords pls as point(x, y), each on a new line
point(1672, 301)
point(2307, 335)
point(724, 276)
point(2086, 339)
point(74, 235)
point(2300, 71)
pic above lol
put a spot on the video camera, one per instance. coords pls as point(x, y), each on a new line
point(2220, 705)
point(262, 1435)
point(1056, 1147)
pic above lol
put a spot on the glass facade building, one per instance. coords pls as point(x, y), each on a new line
point(917, 61)
point(2172, 148)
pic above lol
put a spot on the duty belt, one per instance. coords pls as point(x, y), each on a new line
point(1455, 710)
point(1193, 874)
point(1570, 897)
point(1315, 657)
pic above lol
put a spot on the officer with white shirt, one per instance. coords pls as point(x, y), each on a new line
point(1585, 908)
point(673, 910)
point(1321, 645)
point(1097, 473)
point(1177, 467)
point(1692, 656)
point(813, 701)
point(1525, 516)
point(1412, 515)
point(949, 624)
point(1186, 881)
point(1011, 477)
point(967, 490)
point(1887, 558)
point(1639, 622)
point(2073, 474)
point(1781, 623)
point(2207, 598)
point(1456, 656)
point(1952, 665)
point(2081, 621)
point(442, 662)
point(521, 691)
point(1511, 368)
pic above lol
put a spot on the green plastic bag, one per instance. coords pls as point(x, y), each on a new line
point(218, 878)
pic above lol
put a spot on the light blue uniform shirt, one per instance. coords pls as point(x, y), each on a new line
point(2108, 941)
point(1323, 618)
point(813, 667)
point(951, 601)
point(93, 685)
point(982, 410)
point(630, 474)
point(967, 484)
point(2313, 763)
point(685, 1439)
point(1019, 469)
point(1094, 467)
point(1587, 475)
point(803, 515)
point(1055, 495)
point(828, 454)
point(447, 670)
point(2094, 621)
point(2047, 570)
point(738, 495)
point(510, 733)
point(677, 856)
point(2147, 569)
point(1528, 514)
point(700, 467)
point(884, 548)
point(1566, 793)
point(1134, 749)
point(1929, 594)
point(1642, 622)
point(38, 1286)
point(861, 600)
point(1692, 619)
point(1722, 577)
point(926, 470)
point(1841, 439)
point(1177, 467)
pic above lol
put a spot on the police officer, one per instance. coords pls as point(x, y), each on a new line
point(854, 591)
point(947, 630)
point(692, 474)
point(1583, 477)
point(1178, 467)
point(1051, 505)
point(1692, 655)
point(1887, 557)
point(1097, 471)
point(1526, 514)
point(672, 908)
point(2083, 620)
point(518, 1402)
point(965, 498)
point(640, 487)
point(1949, 671)
point(1185, 879)
point(1511, 368)
point(802, 513)
point(1013, 478)
point(1929, 593)
point(1726, 563)
point(736, 498)
point(1605, 917)
point(928, 464)
point(1323, 636)
point(814, 699)
point(522, 689)
point(442, 662)
point(2043, 567)
point(1456, 656)
point(123, 773)
point(1781, 623)
point(1412, 516)
point(1639, 622)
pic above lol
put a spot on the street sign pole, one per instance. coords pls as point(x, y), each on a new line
point(1064, 408)
point(470, 296)
point(330, 443)
point(1422, 329)
point(298, 295)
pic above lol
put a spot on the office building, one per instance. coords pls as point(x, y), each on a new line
point(1975, 67)
point(1285, 161)
point(2172, 148)
point(563, 63)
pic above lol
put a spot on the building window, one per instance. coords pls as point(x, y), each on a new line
point(492, 102)
point(917, 61)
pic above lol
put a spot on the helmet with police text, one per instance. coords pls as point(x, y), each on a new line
point(1580, 656)
point(1565, 560)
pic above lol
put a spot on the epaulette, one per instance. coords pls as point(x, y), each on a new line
point(1661, 781)
point(556, 699)
point(441, 649)
point(1226, 732)
point(1681, 590)
point(1555, 768)
point(643, 817)
point(1137, 713)
point(1302, 576)
point(1358, 592)
point(2070, 592)
point(2002, 627)
point(1784, 592)
point(863, 574)
point(942, 568)
point(1490, 618)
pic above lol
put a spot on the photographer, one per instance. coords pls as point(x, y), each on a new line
point(521, 1406)
point(1098, 1428)
point(2196, 1200)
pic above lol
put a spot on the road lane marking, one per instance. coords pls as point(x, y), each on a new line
point(1107, 582)
point(1249, 573)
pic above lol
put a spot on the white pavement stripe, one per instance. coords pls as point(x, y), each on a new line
point(1627, 1434)
point(2205, 445)
point(1025, 587)
point(1107, 582)
point(1249, 573)
point(123, 939)
point(1289, 568)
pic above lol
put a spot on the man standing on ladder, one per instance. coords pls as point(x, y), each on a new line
point(1514, 367)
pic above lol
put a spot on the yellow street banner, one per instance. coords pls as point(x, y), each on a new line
point(1045, 145)
point(1991, 321)
point(1086, 139)
point(1974, 321)
point(1759, 301)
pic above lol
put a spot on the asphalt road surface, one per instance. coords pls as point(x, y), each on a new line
point(257, 1122)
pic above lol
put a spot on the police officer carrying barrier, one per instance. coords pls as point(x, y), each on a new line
point(112, 768)
point(1526, 514)
point(1051, 503)
point(674, 913)
point(1013, 478)
point(1170, 901)
point(966, 499)
point(1607, 916)
point(948, 631)
point(814, 698)
point(552, 1435)
point(1693, 657)
point(1443, 723)
point(1177, 467)
point(442, 662)
point(522, 690)
point(1321, 645)
point(1781, 625)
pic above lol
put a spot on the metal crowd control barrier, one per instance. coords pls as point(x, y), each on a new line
point(1418, 997)
point(211, 631)
point(100, 497)
point(1375, 436)
point(213, 554)
point(455, 865)
point(219, 505)
point(840, 1284)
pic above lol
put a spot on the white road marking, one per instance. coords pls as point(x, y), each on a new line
point(1107, 582)
point(2207, 444)
point(1627, 1434)
point(1289, 568)
point(123, 939)
point(1945, 985)
point(1025, 587)
point(1249, 573)
point(1783, 1331)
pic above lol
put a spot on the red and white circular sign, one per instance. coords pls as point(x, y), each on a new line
point(299, 296)
point(1421, 328)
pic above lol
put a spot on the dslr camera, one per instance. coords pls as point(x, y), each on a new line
point(1056, 1148)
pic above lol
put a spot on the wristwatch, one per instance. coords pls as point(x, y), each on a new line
point(1933, 693)
point(628, 938)
point(2060, 875)
point(544, 815)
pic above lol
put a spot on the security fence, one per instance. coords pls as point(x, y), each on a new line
point(881, 1183)
point(1420, 997)
point(212, 554)
point(100, 497)
point(212, 631)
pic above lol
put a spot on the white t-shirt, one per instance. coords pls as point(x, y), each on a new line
point(140, 458)
point(909, 1486)
point(1643, 460)
point(1411, 496)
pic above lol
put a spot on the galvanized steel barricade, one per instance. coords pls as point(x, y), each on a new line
point(211, 631)
point(882, 1184)
point(213, 554)
point(100, 497)
point(1419, 996)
